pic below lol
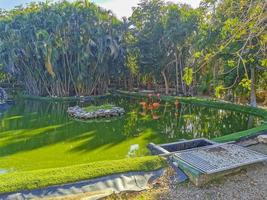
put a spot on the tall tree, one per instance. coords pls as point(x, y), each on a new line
point(238, 30)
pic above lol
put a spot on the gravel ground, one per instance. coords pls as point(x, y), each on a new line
point(248, 184)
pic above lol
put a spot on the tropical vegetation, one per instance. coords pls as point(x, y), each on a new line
point(93, 108)
point(73, 49)
point(69, 50)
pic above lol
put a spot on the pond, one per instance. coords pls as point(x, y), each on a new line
point(39, 134)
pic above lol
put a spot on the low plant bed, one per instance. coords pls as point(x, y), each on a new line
point(94, 112)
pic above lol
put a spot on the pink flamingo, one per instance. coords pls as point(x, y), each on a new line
point(143, 104)
point(177, 104)
point(150, 105)
point(154, 116)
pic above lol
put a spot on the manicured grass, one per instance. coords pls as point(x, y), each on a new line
point(95, 108)
point(28, 180)
point(238, 135)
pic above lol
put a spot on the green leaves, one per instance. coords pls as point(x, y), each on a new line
point(240, 34)
point(188, 75)
point(219, 91)
point(229, 26)
point(263, 62)
point(251, 60)
point(245, 83)
point(132, 63)
point(42, 35)
point(234, 33)
point(263, 38)
point(62, 49)
point(197, 55)
point(231, 63)
point(48, 63)
point(89, 46)
point(207, 56)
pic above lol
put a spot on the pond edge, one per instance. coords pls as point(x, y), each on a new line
point(36, 179)
point(60, 99)
point(215, 103)
point(95, 188)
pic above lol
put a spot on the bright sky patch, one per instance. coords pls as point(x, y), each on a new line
point(119, 7)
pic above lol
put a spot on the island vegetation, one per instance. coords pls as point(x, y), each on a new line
point(95, 108)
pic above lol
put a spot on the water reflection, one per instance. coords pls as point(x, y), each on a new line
point(44, 129)
point(3, 171)
point(133, 151)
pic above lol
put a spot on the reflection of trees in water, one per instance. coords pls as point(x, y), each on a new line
point(251, 120)
point(35, 124)
point(197, 121)
point(131, 124)
point(30, 113)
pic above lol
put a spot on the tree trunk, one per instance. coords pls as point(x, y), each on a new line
point(181, 75)
point(130, 82)
point(165, 82)
point(125, 82)
point(253, 101)
point(176, 74)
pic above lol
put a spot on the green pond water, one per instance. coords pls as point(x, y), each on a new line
point(39, 134)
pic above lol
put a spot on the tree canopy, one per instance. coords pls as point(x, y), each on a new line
point(64, 49)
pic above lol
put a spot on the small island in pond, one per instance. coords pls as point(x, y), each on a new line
point(95, 112)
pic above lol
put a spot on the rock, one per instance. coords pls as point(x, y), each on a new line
point(248, 142)
point(80, 113)
point(262, 139)
point(115, 114)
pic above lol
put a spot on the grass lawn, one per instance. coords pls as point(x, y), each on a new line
point(29, 180)
point(238, 135)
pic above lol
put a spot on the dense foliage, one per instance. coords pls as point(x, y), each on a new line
point(77, 48)
point(60, 49)
point(234, 50)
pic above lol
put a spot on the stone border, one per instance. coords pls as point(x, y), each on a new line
point(80, 113)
